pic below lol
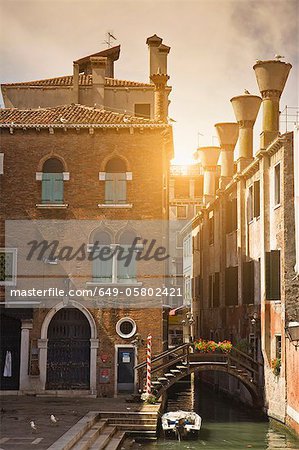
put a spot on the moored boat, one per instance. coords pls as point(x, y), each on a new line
point(181, 424)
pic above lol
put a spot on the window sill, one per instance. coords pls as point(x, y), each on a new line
point(115, 205)
point(51, 205)
point(111, 284)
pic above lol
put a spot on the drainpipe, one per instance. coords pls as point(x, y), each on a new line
point(227, 135)
point(271, 78)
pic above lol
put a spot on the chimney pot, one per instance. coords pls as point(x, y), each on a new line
point(271, 78)
point(246, 108)
point(208, 157)
point(228, 135)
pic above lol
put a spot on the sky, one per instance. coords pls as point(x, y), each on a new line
point(214, 45)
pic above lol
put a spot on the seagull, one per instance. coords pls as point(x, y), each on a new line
point(53, 419)
point(126, 119)
point(258, 61)
point(246, 92)
point(279, 57)
point(62, 120)
point(33, 426)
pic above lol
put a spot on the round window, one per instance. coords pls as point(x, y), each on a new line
point(126, 327)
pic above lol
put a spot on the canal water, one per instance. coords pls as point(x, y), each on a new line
point(225, 425)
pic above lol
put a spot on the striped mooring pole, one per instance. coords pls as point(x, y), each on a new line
point(149, 365)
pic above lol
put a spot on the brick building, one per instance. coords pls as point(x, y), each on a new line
point(245, 285)
point(92, 170)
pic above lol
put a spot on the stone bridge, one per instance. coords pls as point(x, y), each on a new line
point(172, 365)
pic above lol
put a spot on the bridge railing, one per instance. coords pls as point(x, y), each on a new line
point(236, 359)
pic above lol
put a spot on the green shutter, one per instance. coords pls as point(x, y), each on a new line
point(109, 188)
point(101, 269)
point(120, 187)
point(267, 275)
point(52, 188)
point(115, 188)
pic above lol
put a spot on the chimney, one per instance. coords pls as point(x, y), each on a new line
point(208, 157)
point(161, 101)
point(75, 82)
point(246, 108)
point(271, 78)
point(154, 43)
point(228, 135)
point(98, 70)
point(163, 51)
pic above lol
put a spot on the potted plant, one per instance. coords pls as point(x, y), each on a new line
point(276, 365)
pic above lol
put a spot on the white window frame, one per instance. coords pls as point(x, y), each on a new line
point(14, 251)
point(120, 322)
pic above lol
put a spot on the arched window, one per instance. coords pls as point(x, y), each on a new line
point(115, 182)
point(52, 181)
point(102, 263)
point(126, 259)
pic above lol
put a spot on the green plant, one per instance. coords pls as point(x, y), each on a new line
point(276, 365)
point(149, 398)
point(243, 346)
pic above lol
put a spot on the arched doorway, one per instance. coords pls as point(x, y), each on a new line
point(68, 356)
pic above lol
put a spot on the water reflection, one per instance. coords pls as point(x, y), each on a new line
point(225, 425)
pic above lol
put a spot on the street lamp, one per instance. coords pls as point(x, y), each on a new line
point(292, 332)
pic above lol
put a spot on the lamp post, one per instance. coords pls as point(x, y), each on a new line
point(292, 332)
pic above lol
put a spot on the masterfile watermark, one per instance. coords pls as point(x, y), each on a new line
point(117, 263)
point(55, 252)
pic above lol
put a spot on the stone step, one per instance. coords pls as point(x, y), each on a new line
point(128, 414)
point(129, 421)
point(182, 367)
point(169, 375)
point(104, 438)
point(90, 436)
point(116, 441)
point(156, 383)
point(162, 379)
point(175, 371)
point(135, 427)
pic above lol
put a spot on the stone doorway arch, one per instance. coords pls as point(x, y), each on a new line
point(43, 342)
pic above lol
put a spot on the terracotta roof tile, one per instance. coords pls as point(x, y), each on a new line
point(67, 115)
point(84, 80)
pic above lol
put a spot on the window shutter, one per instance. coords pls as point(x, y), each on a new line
point(216, 287)
point(268, 277)
point(52, 188)
point(109, 188)
point(275, 275)
point(210, 291)
point(101, 270)
point(47, 188)
point(256, 199)
point(58, 187)
point(234, 221)
point(248, 283)
point(121, 188)
point(234, 285)
point(228, 217)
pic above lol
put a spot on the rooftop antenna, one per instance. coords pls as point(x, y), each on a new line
point(109, 38)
